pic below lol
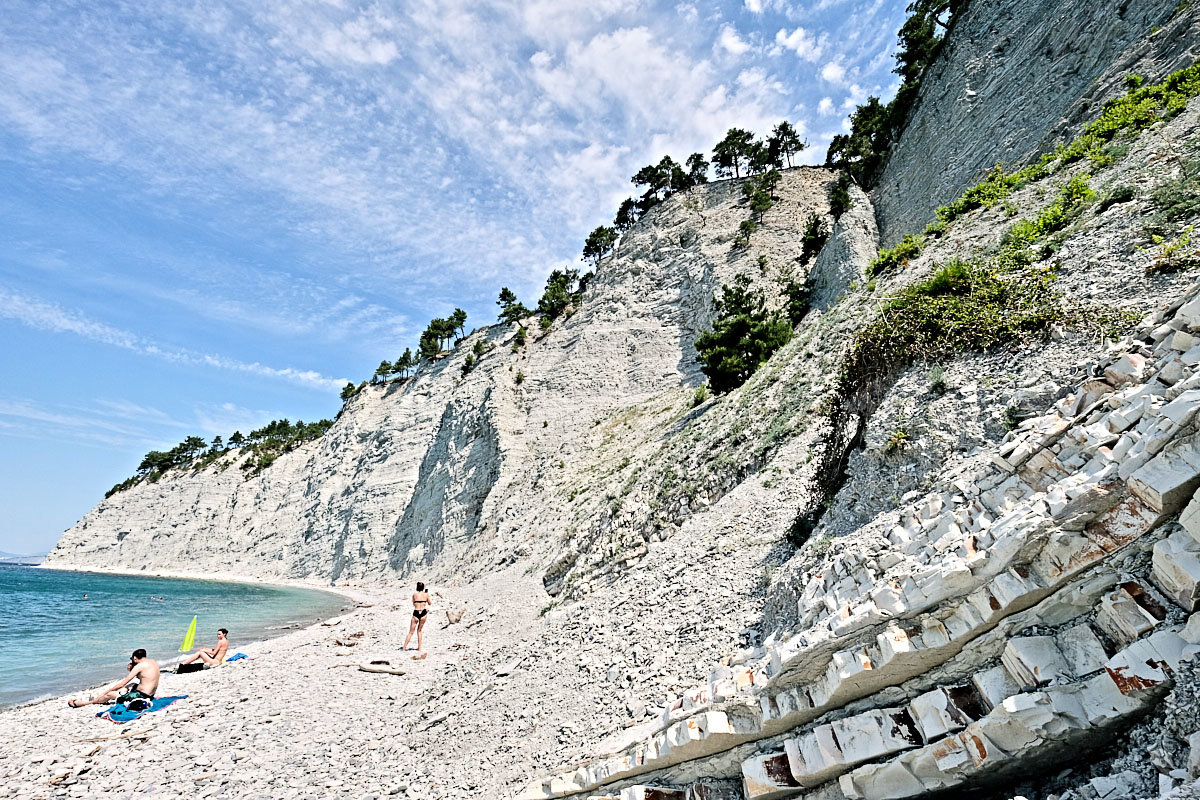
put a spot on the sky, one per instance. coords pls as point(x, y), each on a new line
point(214, 214)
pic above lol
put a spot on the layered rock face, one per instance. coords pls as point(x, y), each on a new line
point(1005, 619)
point(1014, 78)
point(445, 468)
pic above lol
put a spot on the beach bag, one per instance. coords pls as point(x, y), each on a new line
point(184, 669)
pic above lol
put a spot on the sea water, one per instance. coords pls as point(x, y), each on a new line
point(53, 641)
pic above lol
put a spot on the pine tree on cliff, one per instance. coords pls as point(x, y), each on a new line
point(404, 363)
point(733, 152)
point(383, 371)
point(599, 243)
point(627, 214)
point(428, 346)
point(786, 142)
point(511, 309)
point(697, 166)
point(744, 336)
point(458, 320)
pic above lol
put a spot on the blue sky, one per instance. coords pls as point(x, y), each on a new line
point(213, 214)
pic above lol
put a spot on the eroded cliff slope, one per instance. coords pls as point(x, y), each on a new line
point(951, 576)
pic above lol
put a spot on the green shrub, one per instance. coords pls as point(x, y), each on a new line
point(798, 297)
point(744, 335)
point(897, 440)
point(839, 196)
point(745, 230)
point(1176, 199)
point(937, 380)
point(897, 257)
point(1066, 207)
point(520, 377)
point(815, 235)
point(1176, 254)
point(961, 307)
point(122, 486)
point(700, 396)
point(1136, 111)
point(936, 228)
point(996, 186)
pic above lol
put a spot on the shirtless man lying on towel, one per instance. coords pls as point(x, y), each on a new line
point(141, 669)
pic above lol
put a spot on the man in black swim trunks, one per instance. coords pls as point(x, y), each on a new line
point(420, 601)
point(142, 669)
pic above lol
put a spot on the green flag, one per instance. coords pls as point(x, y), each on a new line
point(189, 637)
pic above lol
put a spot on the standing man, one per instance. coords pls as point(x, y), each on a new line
point(141, 669)
point(211, 655)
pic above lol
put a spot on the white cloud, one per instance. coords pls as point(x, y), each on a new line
point(759, 6)
point(363, 40)
point(825, 107)
point(44, 316)
point(731, 42)
point(856, 96)
point(833, 72)
point(802, 43)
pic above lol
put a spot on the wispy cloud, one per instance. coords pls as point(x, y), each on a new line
point(45, 316)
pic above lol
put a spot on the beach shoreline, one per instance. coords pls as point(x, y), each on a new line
point(349, 599)
point(281, 698)
point(179, 574)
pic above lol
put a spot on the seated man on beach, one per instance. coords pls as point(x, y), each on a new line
point(143, 670)
point(211, 655)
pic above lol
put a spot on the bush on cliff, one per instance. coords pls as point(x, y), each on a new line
point(743, 337)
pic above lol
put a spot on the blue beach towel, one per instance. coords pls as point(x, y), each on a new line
point(120, 713)
point(236, 657)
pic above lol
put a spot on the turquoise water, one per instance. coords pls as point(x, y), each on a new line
point(52, 641)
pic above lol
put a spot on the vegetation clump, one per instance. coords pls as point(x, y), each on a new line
point(963, 306)
point(1071, 200)
point(896, 258)
point(263, 446)
point(874, 127)
point(1140, 108)
point(992, 189)
point(1119, 194)
point(815, 235)
point(839, 196)
point(744, 335)
point(564, 292)
point(1175, 254)
point(1176, 199)
point(276, 438)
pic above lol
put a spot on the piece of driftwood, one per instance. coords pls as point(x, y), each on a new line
point(384, 670)
point(125, 735)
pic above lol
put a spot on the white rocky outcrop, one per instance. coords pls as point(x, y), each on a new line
point(451, 469)
point(1035, 534)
